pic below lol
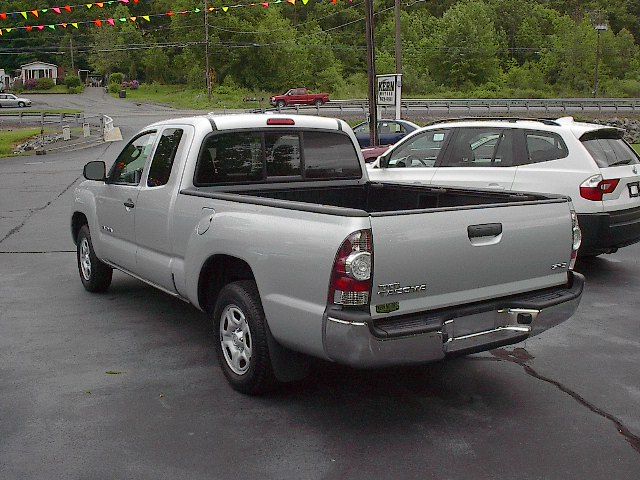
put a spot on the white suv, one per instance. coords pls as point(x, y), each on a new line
point(590, 163)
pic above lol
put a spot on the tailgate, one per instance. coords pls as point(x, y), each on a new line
point(627, 192)
point(438, 259)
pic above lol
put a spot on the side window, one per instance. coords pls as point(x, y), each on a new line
point(481, 147)
point(282, 152)
point(421, 151)
point(128, 166)
point(329, 155)
point(230, 158)
point(545, 146)
point(163, 158)
point(364, 128)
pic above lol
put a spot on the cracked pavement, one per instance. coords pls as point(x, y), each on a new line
point(563, 405)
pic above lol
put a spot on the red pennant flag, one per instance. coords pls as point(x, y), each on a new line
point(3, 16)
point(111, 22)
point(170, 14)
point(40, 27)
point(136, 1)
point(28, 28)
point(334, 2)
point(67, 8)
point(98, 23)
point(57, 10)
point(265, 5)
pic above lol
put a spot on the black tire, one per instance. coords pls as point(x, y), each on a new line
point(258, 376)
point(21, 104)
point(281, 103)
point(319, 103)
point(98, 276)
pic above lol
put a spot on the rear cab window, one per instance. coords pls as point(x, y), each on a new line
point(241, 157)
point(608, 149)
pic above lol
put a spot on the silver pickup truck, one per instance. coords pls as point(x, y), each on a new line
point(269, 224)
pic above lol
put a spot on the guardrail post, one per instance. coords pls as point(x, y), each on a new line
point(20, 118)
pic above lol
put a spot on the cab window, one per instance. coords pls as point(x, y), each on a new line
point(163, 157)
point(127, 169)
point(421, 151)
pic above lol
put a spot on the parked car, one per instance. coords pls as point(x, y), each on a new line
point(371, 154)
point(590, 163)
point(269, 224)
point(10, 100)
point(299, 96)
point(389, 131)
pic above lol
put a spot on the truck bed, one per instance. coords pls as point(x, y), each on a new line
point(373, 198)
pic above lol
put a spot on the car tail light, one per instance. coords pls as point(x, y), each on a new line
point(281, 121)
point(351, 276)
point(576, 237)
point(593, 188)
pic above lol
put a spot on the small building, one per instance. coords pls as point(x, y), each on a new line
point(5, 80)
point(39, 70)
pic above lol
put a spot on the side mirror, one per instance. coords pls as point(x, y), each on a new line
point(95, 171)
point(383, 160)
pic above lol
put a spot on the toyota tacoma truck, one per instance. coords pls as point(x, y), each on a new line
point(270, 225)
point(299, 96)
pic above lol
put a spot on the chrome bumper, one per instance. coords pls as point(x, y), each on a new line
point(353, 341)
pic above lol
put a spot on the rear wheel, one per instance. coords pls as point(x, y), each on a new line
point(319, 103)
point(94, 274)
point(241, 345)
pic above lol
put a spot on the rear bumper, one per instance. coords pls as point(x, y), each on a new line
point(606, 232)
point(356, 339)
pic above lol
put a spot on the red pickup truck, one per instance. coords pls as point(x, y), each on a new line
point(299, 96)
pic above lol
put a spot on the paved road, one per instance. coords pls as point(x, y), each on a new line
point(126, 384)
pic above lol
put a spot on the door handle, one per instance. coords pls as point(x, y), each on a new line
point(129, 203)
point(485, 230)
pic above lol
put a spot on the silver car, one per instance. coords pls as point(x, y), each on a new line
point(10, 100)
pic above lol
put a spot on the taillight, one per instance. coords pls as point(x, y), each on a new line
point(593, 188)
point(351, 276)
point(281, 121)
point(576, 237)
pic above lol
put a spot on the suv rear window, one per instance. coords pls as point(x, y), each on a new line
point(609, 150)
point(276, 155)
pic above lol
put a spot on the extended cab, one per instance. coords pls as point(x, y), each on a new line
point(299, 96)
point(270, 224)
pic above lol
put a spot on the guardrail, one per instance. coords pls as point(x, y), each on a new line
point(483, 105)
point(42, 118)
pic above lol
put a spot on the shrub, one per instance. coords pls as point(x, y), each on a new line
point(132, 85)
point(30, 84)
point(72, 81)
point(114, 87)
point(78, 89)
point(45, 83)
point(116, 78)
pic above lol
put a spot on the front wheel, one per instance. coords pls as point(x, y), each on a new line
point(21, 104)
point(94, 274)
point(242, 347)
point(281, 103)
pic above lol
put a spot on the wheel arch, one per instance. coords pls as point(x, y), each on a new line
point(78, 219)
point(216, 272)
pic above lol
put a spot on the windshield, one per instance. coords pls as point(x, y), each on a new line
point(610, 152)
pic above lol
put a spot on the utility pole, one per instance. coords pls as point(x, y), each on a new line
point(206, 48)
point(398, 38)
point(371, 73)
point(600, 27)
point(73, 67)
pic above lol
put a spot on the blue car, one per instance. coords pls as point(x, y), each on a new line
point(389, 131)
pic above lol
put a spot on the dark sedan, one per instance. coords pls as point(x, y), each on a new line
point(389, 131)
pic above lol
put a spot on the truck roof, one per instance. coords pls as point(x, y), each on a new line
point(255, 120)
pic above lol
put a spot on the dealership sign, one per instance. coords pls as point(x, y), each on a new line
point(389, 88)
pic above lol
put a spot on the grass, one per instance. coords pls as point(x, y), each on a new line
point(183, 97)
point(54, 89)
point(636, 147)
point(9, 139)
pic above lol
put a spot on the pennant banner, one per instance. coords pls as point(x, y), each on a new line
point(58, 10)
point(103, 22)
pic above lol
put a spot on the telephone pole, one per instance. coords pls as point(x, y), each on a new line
point(371, 73)
point(398, 38)
point(73, 67)
point(206, 48)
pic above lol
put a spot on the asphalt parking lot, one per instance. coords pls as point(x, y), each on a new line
point(126, 384)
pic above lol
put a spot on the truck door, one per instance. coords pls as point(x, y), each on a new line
point(155, 205)
point(478, 157)
point(116, 202)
